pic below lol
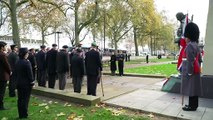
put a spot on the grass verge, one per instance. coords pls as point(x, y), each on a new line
point(40, 109)
point(163, 69)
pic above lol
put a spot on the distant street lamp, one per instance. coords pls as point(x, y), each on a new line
point(58, 37)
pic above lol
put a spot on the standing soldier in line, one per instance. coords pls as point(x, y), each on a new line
point(32, 60)
point(13, 58)
point(93, 65)
point(51, 65)
point(113, 67)
point(25, 82)
point(120, 59)
point(5, 72)
point(62, 66)
point(77, 70)
point(41, 65)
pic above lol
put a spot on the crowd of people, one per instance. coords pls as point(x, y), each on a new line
point(21, 67)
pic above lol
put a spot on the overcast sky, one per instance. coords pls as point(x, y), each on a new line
point(198, 8)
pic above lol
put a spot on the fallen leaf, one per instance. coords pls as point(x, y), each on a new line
point(46, 107)
point(96, 105)
point(34, 104)
point(50, 102)
point(93, 110)
point(69, 105)
point(60, 114)
point(66, 104)
point(42, 104)
point(4, 118)
point(151, 115)
point(71, 116)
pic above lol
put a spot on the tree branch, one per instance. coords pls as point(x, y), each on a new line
point(2, 22)
point(84, 36)
point(7, 4)
point(124, 33)
point(54, 4)
point(91, 19)
point(21, 2)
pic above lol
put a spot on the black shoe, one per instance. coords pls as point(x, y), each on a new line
point(188, 108)
point(23, 117)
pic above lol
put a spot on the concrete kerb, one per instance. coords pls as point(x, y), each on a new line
point(69, 97)
point(138, 75)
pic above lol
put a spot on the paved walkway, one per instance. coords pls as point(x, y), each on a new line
point(145, 94)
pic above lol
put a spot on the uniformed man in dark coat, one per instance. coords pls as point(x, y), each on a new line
point(5, 72)
point(25, 82)
point(191, 82)
point(32, 60)
point(77, 70)
point(13, 58)
point(93, 65)
point(41, 66)
point(51, 65)
point(62, 66)
point(120, 58)
point(113, 67)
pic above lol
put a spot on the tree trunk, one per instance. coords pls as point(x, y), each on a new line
point(151, 45)
point(115, 44)
point(42, 35)
point(76, 23)
point(15, 30)
point(135, 40)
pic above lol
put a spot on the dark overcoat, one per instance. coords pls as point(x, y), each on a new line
point(5, 69)
point(32, 60)
point(41, 60)
point(77, 63)
point(113, 63)
point(93, 63)
point(24, 74)
point(191, 82)
point(62, 62)
point(51, 61)
point(12, 59)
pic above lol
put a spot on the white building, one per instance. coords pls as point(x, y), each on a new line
point(29, 43)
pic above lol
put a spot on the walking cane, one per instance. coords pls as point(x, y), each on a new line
point(102, 87)
point(182, 100)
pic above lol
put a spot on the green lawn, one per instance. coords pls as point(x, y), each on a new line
point(49, 110)
point(164, 69)
point(153, 60)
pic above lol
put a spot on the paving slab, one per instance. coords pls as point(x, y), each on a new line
point(208, 115)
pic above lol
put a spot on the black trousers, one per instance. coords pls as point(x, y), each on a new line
point(77, 82)
point(42, 78)
point(121, 67)
point(3, 85)
point(23, 101)
point(12, 86)
point(51, 80)
point(34, 73)
point(91, 85)
point(193, 101)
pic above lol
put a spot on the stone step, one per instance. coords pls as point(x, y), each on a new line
point(66, 96)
